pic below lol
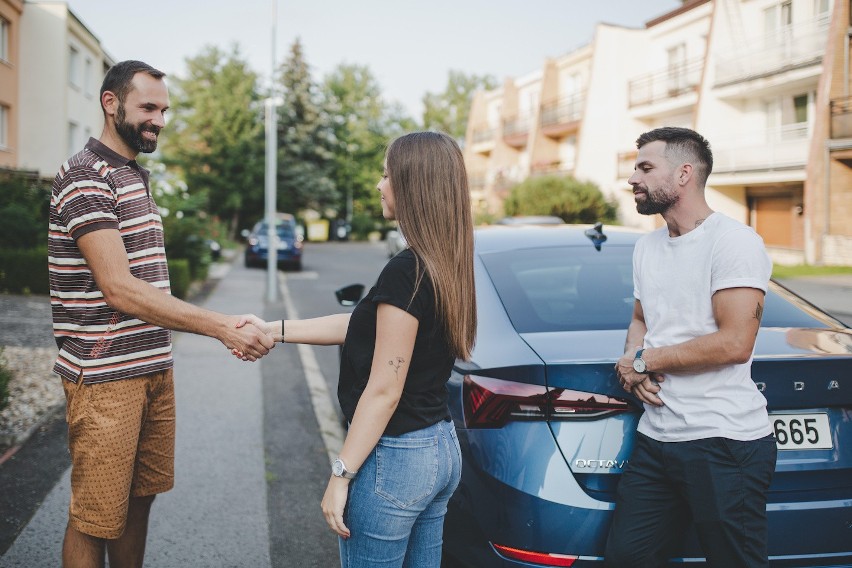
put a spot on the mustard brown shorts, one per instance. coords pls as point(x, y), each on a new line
point(121, 435)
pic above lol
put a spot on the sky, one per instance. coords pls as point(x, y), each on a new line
point(409, 45)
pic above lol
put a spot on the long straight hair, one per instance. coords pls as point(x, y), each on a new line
point(432, 206)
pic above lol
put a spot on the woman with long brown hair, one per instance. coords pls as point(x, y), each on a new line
point(400, 463)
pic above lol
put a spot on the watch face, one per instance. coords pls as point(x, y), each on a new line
point(337, 468)
point(639, 365)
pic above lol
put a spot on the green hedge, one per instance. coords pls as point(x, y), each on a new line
point(24, 271)
point(179, 276)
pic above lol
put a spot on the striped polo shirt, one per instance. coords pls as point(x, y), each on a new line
point(99, 189)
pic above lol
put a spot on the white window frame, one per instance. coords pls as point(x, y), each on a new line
point(5, 39)
point(74, 66)
point(4, 127)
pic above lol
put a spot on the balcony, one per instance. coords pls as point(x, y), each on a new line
point(555, 168)
point(483, 140)
point(562, 116)
point(672, 82)
point(477, 181)
point(792, 47)
point(841, 118)
point(626, 163)
point(516, 131)
point(782, 148)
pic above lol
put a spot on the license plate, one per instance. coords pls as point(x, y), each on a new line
point(801, 431)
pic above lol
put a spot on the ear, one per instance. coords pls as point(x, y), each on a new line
point(685, 173)
point(110, 103)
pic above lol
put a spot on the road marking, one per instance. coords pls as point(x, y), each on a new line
point(329, 425)
point(306, 275)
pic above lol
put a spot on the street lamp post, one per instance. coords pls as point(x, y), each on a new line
point(270, 105)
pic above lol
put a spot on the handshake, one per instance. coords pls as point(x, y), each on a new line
point(249, 338)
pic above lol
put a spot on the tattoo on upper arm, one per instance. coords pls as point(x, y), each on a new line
point(396, 364)
point(758, 312)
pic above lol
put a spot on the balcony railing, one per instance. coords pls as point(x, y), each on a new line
point(516, 126)
point(562, 111)
point(793, 46)
point(669, 83)
point(483, 135)
point(552, 168)
point(783, 147)
point(841, 118)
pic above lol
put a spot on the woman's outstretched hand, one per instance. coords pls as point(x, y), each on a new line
point(264, 326)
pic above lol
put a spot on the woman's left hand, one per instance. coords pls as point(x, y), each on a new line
point(333, 503)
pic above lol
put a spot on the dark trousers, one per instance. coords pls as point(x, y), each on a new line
point(717, 484)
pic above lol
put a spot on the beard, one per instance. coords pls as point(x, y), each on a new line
point(132, 133)
point(658, 201)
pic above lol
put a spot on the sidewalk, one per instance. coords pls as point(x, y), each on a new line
point(216, 515)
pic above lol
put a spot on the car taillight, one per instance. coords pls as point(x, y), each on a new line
point(543, 558)
point(491, 403)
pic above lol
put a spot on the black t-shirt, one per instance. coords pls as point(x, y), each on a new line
point(424, 397)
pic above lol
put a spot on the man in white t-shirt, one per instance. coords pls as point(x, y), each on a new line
point(704, 452)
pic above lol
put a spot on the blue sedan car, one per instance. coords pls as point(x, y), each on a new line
point(546, 430)
point(288, 243)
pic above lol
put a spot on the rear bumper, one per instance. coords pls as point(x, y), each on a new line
point(517, 491)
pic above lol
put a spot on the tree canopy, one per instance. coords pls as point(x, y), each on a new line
point(215, 135)
point(448, 111)
point(562, 196)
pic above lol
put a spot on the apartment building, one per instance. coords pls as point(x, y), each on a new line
point(63, 65)
point(10, 19)
point(759, 78)
point(758, 108)
point(828, 195)
point(551, 121)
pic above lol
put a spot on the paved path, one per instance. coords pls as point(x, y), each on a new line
point(219, 453)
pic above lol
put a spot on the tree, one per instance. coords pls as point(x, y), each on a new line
point(564, 197)
point(449, 111)
point(363, 124)
point(305, 141)
point(215, 137)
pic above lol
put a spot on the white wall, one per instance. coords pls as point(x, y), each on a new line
point(48, 101)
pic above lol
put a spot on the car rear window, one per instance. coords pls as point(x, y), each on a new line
point(579, 288)
point(285, 230)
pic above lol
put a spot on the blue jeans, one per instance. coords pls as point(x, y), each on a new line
point(398, 500)
point(718, 485)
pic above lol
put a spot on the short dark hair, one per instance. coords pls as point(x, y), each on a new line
point(683, 144)
point(119, 78)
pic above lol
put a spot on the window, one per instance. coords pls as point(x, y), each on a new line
point(800, 108)
point(5, 31)
point(821, 8)
point(87, 77)
point(74, 66)
point(4, 126)
point(677, 80)
point(777, 23)
point(73, 132)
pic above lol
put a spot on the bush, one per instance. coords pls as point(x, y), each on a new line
point(24, 271)
point(24, 206)
point(565, 197)
point(5, 377)
point(179, 277)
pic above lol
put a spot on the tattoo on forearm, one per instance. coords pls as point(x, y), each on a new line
point(758, 312)
point(396, 364)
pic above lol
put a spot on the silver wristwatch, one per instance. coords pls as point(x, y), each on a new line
point(338, 469)
point(639, 363)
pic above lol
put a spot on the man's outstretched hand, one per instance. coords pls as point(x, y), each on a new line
point(247, 342)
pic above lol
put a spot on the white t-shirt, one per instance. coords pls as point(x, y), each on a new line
point(675, 278)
